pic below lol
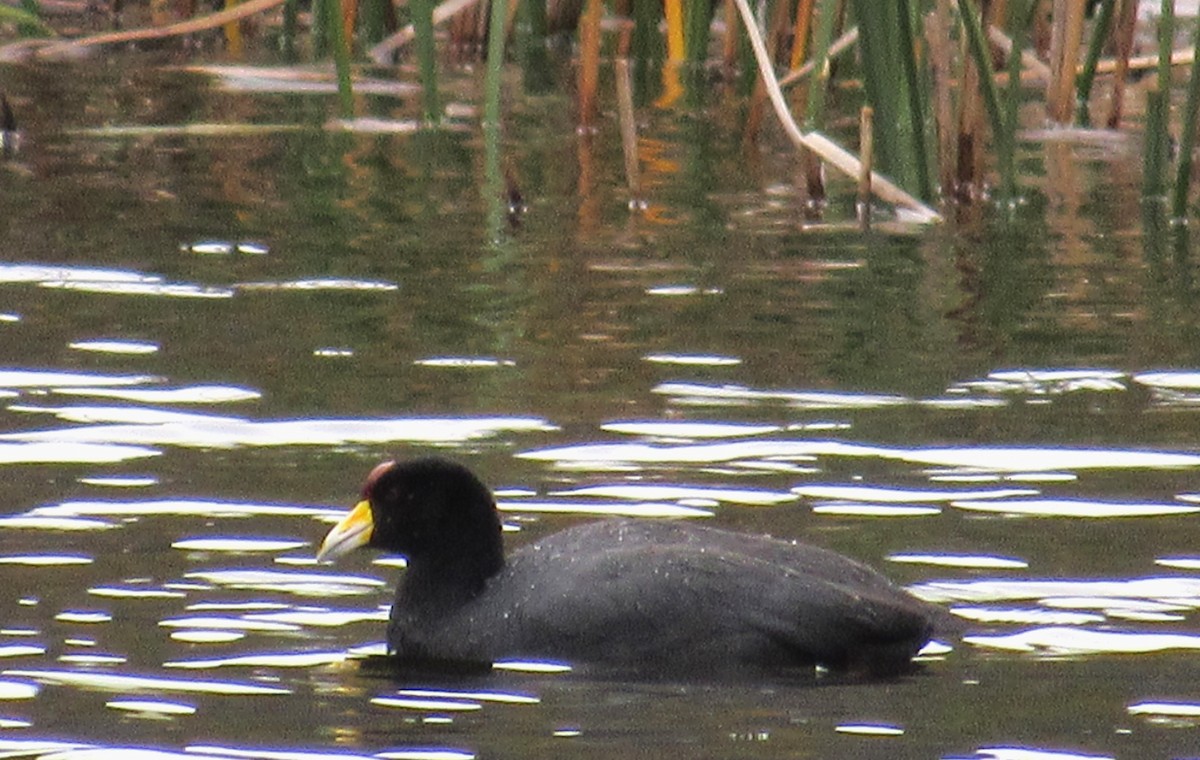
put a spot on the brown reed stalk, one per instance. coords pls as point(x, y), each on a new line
point(800, 32)
point(1067, 39)
point(626, 117)
point(937, 39)
point(1123, 43)
point(779, 22)
point(589, 62)
point(866, 154)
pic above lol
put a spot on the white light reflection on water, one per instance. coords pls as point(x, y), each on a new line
point(1143, 599)
point(213, 622)
point(45, 560)
point(305, 584)
point(18, 690)
point(1002, 459)
point(1024, 753)
point(643, 453)
point(236, 544)
point(119, 481)
point(46, 379)
point(691, 429)
point(166, 289)
point(699, 393)
point(667, 492)
point(181, 507)
point(207, 637)
point(974, 561)
point(464, 362)
point(904, 495)
point(1074, 508)
point(1045, 381)
point(502, 697)
point(320, 616)
point(191, 394)
point(397, 754)
point(164, 427)
point(1187, 380)
point(39, 273)
point(85, 617)
point(1035, 458)
point(321, 283)
point(112, 592)
point(115, 346)
point(1167, 711)
point(869, 729)
point(609, 509)
point(1062, 641)
point(32, 522)
point(693, 360)
point(434, 705)
point(263, 660)
point(151, 707)
point(855, 509)
point(66, 452)
point(531, 666)
point(1182, 563)
point(1026, 616)
point(119, 682)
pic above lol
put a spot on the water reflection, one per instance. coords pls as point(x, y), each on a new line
point(946, 407)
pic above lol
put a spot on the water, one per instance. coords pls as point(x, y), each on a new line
point(211, 334)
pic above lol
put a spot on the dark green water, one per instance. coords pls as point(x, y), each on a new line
point(998, 412)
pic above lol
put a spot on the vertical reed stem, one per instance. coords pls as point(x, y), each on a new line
point(1069, 33)
point(827, 14)
point(1083, 90)
point(866, 154)
point(589, 62)
point(1187, 138)
point(341, 57)
point(495, 65)
point(937, 34)
point(422, 20)
point(1123, 38)
point(1157, 138)
point(628, 121)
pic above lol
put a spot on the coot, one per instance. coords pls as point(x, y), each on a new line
point(655, 598)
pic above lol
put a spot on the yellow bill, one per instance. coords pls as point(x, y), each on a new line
point(353, 531)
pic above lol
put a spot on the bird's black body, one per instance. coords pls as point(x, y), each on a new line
point(659, 598)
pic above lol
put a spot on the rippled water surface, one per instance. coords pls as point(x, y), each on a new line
point(209, 336)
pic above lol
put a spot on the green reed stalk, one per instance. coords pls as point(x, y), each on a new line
point(697, 17)
point(530, 44)
point(1006, 138)
point(896, 90)
point(1157, 145)
point(1157, 139)
point(320, 27)
point(495, 65)
point(978, 49)
point(287, 32)
point(647, 48)
point(373, 24)
point(493, 185)
point(827, 14)
point(1083, 86)
point(1187, 138)
point(341, 57)
point(28, 23)
point(1166, 43)
point(422, 21)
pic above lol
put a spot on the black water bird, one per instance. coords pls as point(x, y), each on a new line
point(653, 598)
